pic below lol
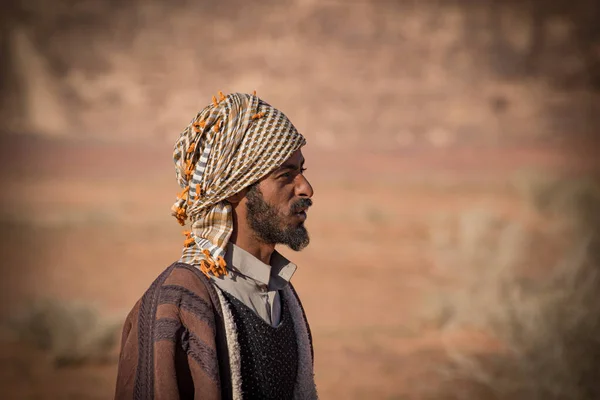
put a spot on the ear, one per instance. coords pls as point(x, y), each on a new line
point(236, 198)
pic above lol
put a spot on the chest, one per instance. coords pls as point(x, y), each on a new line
point(269, 355)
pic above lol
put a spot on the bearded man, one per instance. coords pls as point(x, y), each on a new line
point(224, 322)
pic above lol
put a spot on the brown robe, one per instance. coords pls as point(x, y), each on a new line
point(178, 342)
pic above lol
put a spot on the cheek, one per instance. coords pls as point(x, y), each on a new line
point(279, 196)
point(283, 206)
point(283, 209)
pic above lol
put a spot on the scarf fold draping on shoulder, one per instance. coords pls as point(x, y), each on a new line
point(229, 145)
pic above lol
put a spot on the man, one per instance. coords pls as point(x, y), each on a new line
point(224, 322)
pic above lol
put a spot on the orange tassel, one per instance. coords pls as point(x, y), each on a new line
point(215, 102)
point(180, 216)
point(204, 268)
point(221, 96)
point(189, 169)
point(259, 115)
point(188, 242)
point(210, 266)
point(254, 93)
point(222, 264)
point(198, 125)
point(183, 194)
point(217, 126)
point(191, 148)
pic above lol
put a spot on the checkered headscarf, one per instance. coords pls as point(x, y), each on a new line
point(229, 145)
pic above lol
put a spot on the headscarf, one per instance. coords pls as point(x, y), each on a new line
point(229, 145)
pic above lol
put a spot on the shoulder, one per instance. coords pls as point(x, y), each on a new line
point(183, 280)
point(295, 303)
point(177, 280)
point(180, 293)
point(176, 313)
point(295, 294)
point(299, 315)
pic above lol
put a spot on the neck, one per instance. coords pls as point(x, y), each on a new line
point(260, 250)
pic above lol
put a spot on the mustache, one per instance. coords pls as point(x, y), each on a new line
point(301, 204)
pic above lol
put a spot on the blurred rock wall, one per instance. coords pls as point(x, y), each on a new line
point(356, 74)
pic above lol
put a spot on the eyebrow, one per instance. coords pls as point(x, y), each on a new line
point(290, 166)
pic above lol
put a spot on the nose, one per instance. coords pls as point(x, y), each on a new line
point(303, 187)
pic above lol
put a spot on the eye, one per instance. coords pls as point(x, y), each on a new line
point(291, 173)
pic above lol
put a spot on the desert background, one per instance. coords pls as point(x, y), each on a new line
point(451, 146)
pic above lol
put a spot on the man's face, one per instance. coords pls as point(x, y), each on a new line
point(277, 205)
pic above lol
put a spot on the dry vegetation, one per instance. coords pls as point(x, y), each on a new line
point(533, 291)
point(70, 333)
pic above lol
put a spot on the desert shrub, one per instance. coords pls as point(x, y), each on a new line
point(71, 333)
point(548, 321)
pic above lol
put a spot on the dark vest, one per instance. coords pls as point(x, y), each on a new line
point(269, 355)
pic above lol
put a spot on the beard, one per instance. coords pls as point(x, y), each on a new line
point(270, 226)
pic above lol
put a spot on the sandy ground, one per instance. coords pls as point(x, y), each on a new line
point(90, 222)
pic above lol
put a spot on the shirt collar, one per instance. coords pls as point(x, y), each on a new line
point(276, 276)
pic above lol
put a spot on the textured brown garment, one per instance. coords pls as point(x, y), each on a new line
point(170, 347)
point(174, 344)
